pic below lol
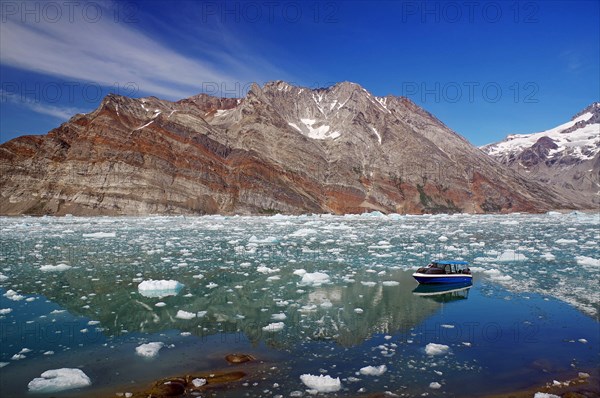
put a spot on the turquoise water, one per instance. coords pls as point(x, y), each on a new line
point(531, 315)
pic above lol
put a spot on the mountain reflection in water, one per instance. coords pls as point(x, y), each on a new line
point(327, 312)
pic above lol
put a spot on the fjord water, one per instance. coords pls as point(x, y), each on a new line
point(70, 299)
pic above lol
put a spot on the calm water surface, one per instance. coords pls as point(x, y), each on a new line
point(530, 316)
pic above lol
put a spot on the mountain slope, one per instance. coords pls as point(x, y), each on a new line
point(281, 148)
point(566, 157)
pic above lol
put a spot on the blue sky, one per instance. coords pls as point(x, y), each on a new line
point(485, 68)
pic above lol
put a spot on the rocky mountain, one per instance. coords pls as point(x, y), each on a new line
point(281, 148)
point(566, 157)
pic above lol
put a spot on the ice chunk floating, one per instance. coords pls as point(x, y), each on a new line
point(149, 350)
point(373, 370)
point(55, 268)
point(321, 383)
point(314, 279)
point(436, 349)
point(160, 288)
point(59, 380)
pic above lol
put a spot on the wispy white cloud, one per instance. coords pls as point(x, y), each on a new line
point(106, 52)
point(59, 112)
point(573, 60)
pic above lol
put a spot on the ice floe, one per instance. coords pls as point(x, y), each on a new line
point(511, 255)
point(159, 288)
point(55, 268)
point(314, 279)
point(587, 261)
point(55, 380)
point(321, 383)
point(373, 370)
point(100, 235)
point(185, 315)
point(149, 350)
point(12, 295)
point(274, 327)
point(198, 382)
point(436, 349)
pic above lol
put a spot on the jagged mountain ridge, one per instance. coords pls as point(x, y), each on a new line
point(281, 148)
point(566, 157)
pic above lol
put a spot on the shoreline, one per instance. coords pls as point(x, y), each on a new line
point(574, 384)
point(263, 215)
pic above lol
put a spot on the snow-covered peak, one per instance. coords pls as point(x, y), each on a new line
point(278, 85)
point(579, 138)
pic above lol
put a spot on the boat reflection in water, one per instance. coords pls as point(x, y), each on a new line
point(444, 293)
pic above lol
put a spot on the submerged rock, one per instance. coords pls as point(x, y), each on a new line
point(170, 388)
point(222, 377)
point(239, 358)
point(183, 386)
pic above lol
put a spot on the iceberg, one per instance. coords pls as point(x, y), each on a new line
point(159, 288)
point(373, 370)
point(149, 350)
point(54, 268)
point(314, 279)
point(274, 327)
point(321, 383)
point(436, 349)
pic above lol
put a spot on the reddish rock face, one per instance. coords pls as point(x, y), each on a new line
point(280, 149)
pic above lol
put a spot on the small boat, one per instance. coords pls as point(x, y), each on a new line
point(444, 271)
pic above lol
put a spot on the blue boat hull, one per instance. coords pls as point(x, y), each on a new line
point(445, 279)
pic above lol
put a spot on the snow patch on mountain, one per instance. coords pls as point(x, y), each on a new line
point(316, 130)
point(377, 134)
point(222, 112)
